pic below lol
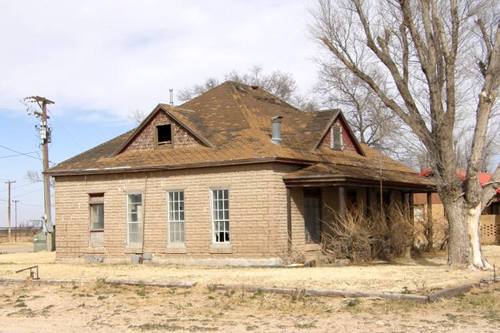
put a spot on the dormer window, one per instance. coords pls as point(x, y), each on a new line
point(164, 134)
point(337, 141)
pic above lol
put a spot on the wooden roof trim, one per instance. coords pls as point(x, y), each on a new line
point(125, 169)
point(356, 182)
point(346, 125)
point(145, 122)
point(200, 137)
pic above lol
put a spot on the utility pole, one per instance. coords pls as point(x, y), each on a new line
point(15, 214)
point(9, 183)
point(45, 132)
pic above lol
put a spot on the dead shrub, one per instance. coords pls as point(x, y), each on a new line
point(293, 256)
point(364, 236)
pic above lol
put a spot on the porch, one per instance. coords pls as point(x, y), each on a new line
point(324, 192)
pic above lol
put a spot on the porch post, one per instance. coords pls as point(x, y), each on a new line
point(429, 227)
point(412, 215)
point(289, 219)
point(341, 198)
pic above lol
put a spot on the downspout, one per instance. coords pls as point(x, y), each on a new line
point(144, 216)
point(289, 220)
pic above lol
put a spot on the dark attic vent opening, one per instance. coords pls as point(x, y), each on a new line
point(164, 134)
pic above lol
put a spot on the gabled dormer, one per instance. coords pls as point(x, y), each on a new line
point(338, 136)
point(164, 128)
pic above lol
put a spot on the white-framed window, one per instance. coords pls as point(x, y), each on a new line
point(337, 141)
point(220, 215)
point(134, 218)
point(176, 216)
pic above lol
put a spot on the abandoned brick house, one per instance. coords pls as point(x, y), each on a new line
point(233, 176)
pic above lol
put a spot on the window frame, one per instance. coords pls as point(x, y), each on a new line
point(169, 239)
point(140, 217)
point(332, 137)
point(96, 199)
point(213, 221)
point(157, 134)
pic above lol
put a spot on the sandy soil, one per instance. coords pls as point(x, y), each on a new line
point(16, 247)
point(417, 275)
point(99, 307)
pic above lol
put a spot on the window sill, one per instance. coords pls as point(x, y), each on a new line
point(132, 249)
point(95, 250)
point(176, 249)
point(221, 248)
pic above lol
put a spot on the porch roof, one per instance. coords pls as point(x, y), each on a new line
point(330, 174)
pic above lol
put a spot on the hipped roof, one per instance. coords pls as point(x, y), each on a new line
point(233, 123)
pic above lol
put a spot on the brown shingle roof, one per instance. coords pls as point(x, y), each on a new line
point(234, 122)
point(349, 174)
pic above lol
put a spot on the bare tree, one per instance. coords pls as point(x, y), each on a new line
point(421, 49)
point(372, 122)
point(137, 116)
point(198, 89)
point(463, 144)
point(277, 83)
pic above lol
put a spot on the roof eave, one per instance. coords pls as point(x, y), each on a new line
point(117, 170)
point(159, 108)
point(318, 181)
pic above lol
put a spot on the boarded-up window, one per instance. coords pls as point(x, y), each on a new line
point(337, 142)
point(312, 215)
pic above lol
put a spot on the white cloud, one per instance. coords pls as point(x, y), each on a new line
point(119, 56)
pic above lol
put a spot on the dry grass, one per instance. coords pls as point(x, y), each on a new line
point(9, 245)
point(415, 275)
point(98, 307)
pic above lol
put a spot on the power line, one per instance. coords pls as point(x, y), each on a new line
point(20, 153)
point(16, 155)
point(25, 154)
point(72, 137)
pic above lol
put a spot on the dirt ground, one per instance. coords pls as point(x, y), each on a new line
point(418, 275)
point(16, 247)
point(100, 307)
point(95, 306)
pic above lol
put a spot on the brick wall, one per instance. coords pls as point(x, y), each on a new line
point(257, 212)
point(146, 139)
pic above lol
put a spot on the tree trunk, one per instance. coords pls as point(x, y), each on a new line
point(458, 244)
point(476, 259)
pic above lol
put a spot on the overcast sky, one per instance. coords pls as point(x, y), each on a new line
point(101, 60)
point(117, 56)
